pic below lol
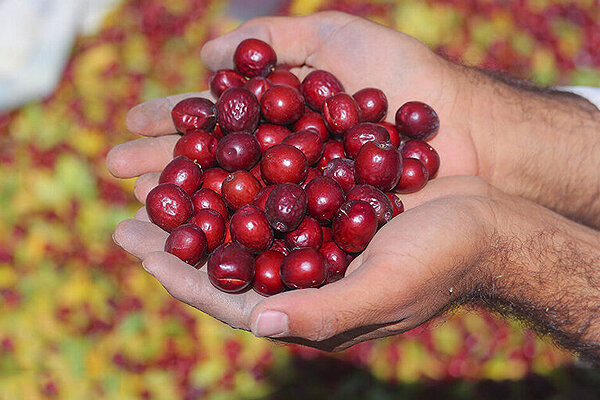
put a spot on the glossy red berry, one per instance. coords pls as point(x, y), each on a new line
point(223, 79)
point(238, 150)
point(282, 105)
point(283, 77)
point(342, 171)
point(372, 103)
point(168, 206)
point(239, 188)
point(261, 197)
point(250, 228)
point(417, 120)
point(381, 204)
point(212, 224)
point(331, 150)
point(362, 133)
point(184, 173)
point(285, 207)
point(304, 268)
point(239, 110)
point(231, 268)
point(354, 226)
point(414, 176)
point(194, 113)
point(268, 135)
point(267, 279)
point(199, 146)
point(307, 142)
point(340, 113)
point(253, 57)
point(188, 243)
point(318, 86)
point(258, 85)
point(397, 205)
point(324, 197)
point(337, 261)
point(213, 179)
point(208, 198)
point(379, 165)
point(392, 131)
point(307, 234)
point(423, 152)
point(312, 121)
point(283, 163)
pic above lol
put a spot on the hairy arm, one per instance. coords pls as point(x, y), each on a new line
point(540, 144)
point(547, 273)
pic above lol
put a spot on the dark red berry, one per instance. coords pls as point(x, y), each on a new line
point(397, 205)
point(267, 279)
point(168, 206)
point(331, 150)
point(283, 163)
point(250, 228)
point(283, 77)
point(253, 57)
point(268, 135)
point(308, 234)
point(239, 189)
point(324, 197)
point(184, 173)
point(392, 131)
point(231, 268)
point(312, 174)
point(337, 261)
point(307, 142)
point(213, 179)
point(379, 165)
point(194, 113)
point(208, 198)
point(212, 224)
point(304, 268)
point(318, 86)
point(414, 176)
point(372, 103)
point(239, 110)
point(188, 243)
point(340, 113)
point(238, 150)
point(258, 85)
point(282, 105)
point(423, 152)
point(261, 197)
point(285, 207)
point(224, 79)
point(342, 171)
point(376, 198)
point(362, 133)
point(354, 226)
point(312, 121)
point(199, 146)
point(417, 120)
point(279, 246)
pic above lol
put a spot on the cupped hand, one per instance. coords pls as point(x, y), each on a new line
point(417, 265)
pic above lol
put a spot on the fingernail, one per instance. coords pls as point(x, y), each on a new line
point(115, 240)
point(270, 323)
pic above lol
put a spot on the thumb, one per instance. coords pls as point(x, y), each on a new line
point(320, 314)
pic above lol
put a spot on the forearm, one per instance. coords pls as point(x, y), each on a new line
point(540, 144)
point(547, 272)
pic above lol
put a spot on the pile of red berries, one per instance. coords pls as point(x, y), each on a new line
point(281, 182)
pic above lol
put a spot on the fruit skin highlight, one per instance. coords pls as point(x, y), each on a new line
point(231, 268)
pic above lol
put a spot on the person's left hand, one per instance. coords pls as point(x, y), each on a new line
point(417, 265)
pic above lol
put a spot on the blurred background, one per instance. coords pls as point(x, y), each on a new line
point(79, 318)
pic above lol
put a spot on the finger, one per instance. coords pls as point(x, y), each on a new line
point(144, 184)
point(153, 117)
point(193, 287)
point(139, 238)
point(142, 215)
point(346, 305)
point(294, 39)
point(137, 157)
point(447, 187)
